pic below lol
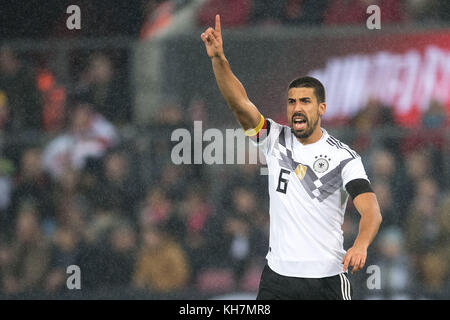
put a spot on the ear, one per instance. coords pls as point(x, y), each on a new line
point(322, 108)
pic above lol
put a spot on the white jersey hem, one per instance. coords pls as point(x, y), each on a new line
point(306, 269)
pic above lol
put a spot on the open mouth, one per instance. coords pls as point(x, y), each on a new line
point(299, 122)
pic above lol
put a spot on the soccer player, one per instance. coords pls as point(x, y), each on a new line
point(311, 175)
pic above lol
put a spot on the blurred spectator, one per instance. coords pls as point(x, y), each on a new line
point(17, 83)
point(171, 115)
point(423, 218)
point(6, 190)
point(431, 246)
point(89, 183)
point(173, 180)
point(241, 231)
point(65, 251)
point(435, 117)
point(383, 165)
point(30, 254)
point(374, 115)
point(434, 275)
point(192, 225)
point(53, 96)
point(242, 234)
point(157, 208)
point(75, 214)
point(64, 193)
point(417, 167)
point(246, 176)
point(444, 222)
point(32, 183)
point(391, 215)
point(162, 266)
point(89, 135)
point(119, 257)
point(386, 175)
point(5, 124)
point(6, 261)
point(118, 188)
point(97, 248)
point(428, 144)
point(102, 221)
point(394, 264)
point(104, 89)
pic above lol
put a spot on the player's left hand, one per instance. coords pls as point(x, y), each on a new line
point(355, 258)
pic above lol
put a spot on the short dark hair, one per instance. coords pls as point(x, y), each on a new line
point(310, 82)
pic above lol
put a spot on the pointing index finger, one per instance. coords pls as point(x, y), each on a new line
point(218, 27)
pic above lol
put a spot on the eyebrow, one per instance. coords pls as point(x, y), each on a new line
point(301, 99)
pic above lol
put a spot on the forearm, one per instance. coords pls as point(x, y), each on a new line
point(231, 88)
point(234, 93)
point(367, 205)
point(368, 228)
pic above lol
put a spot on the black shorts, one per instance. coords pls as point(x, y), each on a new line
point(277, 287)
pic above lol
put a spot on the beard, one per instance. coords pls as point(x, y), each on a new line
point(307, 132)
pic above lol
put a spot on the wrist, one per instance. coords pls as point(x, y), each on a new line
point(218, 57)
point(361, 244)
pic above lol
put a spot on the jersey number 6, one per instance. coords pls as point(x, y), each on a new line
point(283, 182)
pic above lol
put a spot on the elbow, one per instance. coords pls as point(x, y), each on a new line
point(379, 218)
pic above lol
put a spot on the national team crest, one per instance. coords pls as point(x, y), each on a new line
point(321, 165)
point(300, 171)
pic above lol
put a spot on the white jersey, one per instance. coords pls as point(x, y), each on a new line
point(307, 202)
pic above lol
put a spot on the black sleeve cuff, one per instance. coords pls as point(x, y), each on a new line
point(358, 186)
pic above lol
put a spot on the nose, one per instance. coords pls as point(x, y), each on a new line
point(298, 108)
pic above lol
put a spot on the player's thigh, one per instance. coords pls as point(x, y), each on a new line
point(272, 286)
point(337, 287)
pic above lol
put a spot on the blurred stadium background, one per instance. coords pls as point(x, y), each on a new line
point(86, 117)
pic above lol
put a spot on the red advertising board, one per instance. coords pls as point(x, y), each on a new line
point(403, 71)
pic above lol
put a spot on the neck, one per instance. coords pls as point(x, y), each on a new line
point(314, 137)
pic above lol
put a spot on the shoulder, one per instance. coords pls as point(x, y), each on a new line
point(274, 124)
point(273, 132)
point(340, 148)
point(276, 128)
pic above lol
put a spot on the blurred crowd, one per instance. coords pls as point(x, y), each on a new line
point(80, 185)
point(409, 172)
point(144, 18)
point(76, 189)
point(88, 194)
point(322, 12)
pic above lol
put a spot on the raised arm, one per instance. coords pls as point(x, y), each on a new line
point(230, 87)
